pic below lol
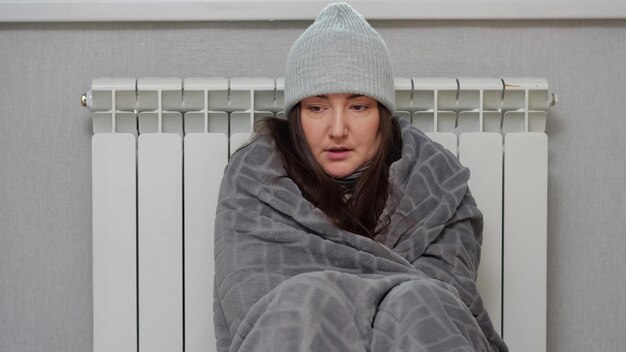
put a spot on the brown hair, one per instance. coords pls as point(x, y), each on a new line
point(360, 213)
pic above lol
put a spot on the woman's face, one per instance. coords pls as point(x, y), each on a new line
point(341, 131)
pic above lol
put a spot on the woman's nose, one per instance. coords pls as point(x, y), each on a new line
point(338, 126)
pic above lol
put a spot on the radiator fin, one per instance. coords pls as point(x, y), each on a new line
point(114, 242)
point(160, 242)
point(525, 242)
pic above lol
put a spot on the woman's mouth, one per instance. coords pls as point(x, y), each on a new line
point(338, 153)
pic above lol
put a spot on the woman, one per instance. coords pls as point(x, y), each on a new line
point(342, 228)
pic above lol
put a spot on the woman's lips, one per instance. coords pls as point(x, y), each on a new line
point(339, 153)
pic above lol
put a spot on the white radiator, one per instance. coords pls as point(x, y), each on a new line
point(158, 152)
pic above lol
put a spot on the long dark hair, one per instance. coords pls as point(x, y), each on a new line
point(359, 213)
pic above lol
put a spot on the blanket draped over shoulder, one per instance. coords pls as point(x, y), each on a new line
point(287, 279)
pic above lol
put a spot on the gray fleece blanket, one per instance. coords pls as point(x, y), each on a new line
point(287, 279)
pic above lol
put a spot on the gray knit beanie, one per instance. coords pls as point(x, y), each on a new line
point(339, 53)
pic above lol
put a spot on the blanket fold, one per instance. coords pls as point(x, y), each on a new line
point(287, 279)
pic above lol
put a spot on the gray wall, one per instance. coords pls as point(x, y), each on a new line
point(45, 171)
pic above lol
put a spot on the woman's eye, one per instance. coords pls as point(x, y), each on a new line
point(359, 108)
point(315, 108)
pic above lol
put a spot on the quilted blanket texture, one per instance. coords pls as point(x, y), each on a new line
point(287, 279)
